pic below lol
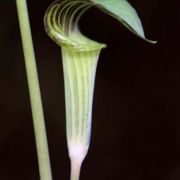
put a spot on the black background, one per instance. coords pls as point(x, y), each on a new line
point(136, 113)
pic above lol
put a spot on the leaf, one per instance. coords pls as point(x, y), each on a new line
point(61, 21)
point(124, 13)
point(61, 24)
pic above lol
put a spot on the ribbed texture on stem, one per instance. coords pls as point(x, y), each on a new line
point(79, 76)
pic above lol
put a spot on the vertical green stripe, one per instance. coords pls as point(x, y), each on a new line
point(79, 74)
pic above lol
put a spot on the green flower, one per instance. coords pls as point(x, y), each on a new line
point(80, 56)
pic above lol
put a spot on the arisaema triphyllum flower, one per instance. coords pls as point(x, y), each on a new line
point(80, 56)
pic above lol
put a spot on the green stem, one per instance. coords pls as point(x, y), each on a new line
point(79, 76)
point(75, 169)
point(34, 90)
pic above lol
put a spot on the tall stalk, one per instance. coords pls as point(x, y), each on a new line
point(34, 91)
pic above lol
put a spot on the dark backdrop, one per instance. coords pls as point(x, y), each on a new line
point(136, 114)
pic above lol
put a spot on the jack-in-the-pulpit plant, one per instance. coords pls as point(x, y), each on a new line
point(80, 56)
